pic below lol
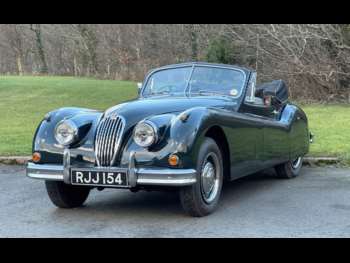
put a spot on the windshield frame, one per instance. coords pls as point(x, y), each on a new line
point(187, 91)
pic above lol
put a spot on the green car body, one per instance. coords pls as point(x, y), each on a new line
point(251, 137)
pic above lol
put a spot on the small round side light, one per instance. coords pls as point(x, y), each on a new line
point(36, 157)
point(173, 160)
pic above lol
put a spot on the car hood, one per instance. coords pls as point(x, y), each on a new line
point(136, 110)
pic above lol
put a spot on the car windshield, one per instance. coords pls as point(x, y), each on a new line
point(198, 80)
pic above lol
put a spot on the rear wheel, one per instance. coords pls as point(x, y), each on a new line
point(202, 198)
point(66, 196)
point(289, 169)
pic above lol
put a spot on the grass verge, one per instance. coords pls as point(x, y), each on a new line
point(25, 100)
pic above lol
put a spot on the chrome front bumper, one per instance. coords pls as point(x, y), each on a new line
point(137, 176)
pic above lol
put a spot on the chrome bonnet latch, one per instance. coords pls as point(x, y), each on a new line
point(132, 170)
point(66, 165)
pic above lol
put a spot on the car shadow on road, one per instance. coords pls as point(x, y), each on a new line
point(122, 203)
point(238, 190)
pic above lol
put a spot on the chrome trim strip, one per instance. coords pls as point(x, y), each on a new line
point(111, 137)
point(103, 140)
point(96, 143)
point(108, 139)
point(46, 176)
point(66, 165)
point(132, 170)
point(119, 135)
point(171, 182)
point(170, 177)
point(166, 171)
point(193, 65)
point(46, 172)
point(142, 176)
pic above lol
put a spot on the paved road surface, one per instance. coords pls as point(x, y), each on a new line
point(316, 204)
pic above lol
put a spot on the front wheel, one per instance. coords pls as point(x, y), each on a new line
point(289, 169)
point(66, 196)
point(202, 198)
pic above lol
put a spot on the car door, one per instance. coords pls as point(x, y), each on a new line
point(247, 134)
point(245, 137)
point(274, 146)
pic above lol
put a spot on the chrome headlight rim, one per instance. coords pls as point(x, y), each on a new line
point(74, 135)
point(155, 133)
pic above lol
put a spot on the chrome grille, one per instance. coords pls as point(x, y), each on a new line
point(108, 139)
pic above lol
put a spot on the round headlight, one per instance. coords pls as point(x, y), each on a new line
point(66, 132)
point(145, 134)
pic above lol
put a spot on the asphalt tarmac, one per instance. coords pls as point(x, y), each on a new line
point(315, 204)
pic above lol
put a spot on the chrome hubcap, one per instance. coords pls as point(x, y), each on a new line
point(296, 163)
point(209, 179)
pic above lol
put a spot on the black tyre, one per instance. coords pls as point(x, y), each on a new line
point(289, 169)
point(201, 198)
point(66, 196)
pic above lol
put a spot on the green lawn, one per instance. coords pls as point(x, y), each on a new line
point(331, 127)
point(25, 100)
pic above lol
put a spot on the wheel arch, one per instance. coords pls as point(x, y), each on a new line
point(216, 133)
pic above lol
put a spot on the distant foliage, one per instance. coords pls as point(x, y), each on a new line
point(313, 59)
point(220, 50)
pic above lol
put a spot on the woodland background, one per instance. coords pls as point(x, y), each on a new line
point(313, 59)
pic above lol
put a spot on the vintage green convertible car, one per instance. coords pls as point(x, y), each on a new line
point(193, 126)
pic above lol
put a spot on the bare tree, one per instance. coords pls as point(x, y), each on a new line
point(313, 59)
point(36, 28)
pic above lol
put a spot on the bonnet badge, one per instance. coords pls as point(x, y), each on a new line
point(114, 116)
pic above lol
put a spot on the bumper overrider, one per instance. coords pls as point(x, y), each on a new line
point(136, 176)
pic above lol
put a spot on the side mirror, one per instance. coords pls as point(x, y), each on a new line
point(139, 87)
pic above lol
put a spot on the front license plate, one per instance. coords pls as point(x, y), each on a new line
point(105, 178)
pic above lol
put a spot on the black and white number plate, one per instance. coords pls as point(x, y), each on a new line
point(100, 177)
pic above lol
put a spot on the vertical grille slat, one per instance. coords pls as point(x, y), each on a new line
point(110, 142)
point(108, 139)
point(97, 139)
point(117, 142)
point(105, 141)
point(103, 137)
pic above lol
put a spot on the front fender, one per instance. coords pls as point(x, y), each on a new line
point(45, 142)
point(180, 134)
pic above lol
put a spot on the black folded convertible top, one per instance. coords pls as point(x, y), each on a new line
point(276, 88)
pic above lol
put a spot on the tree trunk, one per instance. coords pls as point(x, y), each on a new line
point(75, 66)
point(90, 42)
point(257, 52)
point(39, 45)
point(108, 70)
point(19, 65)
point(194, 42)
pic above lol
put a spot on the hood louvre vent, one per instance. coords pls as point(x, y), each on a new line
point(108, 139)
